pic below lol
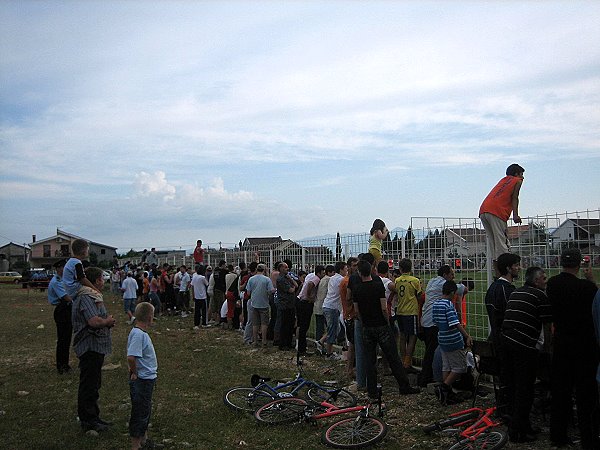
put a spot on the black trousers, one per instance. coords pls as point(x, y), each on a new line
point(90, 381)
point(64, 330)
point(574, 367)
point(430, 335)
point(287, 327)
point(199, 311)
point(383, 336)
point(304, 312)
point(521, 367)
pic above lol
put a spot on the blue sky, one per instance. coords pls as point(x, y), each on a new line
point(140, 124)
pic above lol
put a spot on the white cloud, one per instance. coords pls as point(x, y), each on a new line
point(151, 185)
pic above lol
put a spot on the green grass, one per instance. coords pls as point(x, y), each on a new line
point(195, 368)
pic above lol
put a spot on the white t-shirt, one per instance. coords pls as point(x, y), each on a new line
point(386, 282)
point(333, 299)
point(130, 286)
point(199, 284)
point(311, 278)
point(184, 280)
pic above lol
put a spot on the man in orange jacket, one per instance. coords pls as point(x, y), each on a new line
point(496, 209)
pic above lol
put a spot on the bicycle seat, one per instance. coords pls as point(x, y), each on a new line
point(255, 380)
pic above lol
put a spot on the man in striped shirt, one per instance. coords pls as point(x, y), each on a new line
point(450, 341)
point(527, 308)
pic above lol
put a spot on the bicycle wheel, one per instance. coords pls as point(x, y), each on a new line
point(283, 410)
point(246, 399)
point(490, 440)
point(354, 432)
point(451, 421)
point(344, 399)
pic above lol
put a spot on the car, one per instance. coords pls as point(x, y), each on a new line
point(106, 275)
point(10, 277)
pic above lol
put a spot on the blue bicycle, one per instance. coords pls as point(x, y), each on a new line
point(249, 399)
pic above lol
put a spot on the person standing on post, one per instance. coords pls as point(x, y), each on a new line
point(496, 209)
point(92, 341)
point(575, 356)
point(57, 296)
point(199, 254)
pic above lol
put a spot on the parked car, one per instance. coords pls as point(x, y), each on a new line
point(37, 278)
point(10, 277)
point(106, 276)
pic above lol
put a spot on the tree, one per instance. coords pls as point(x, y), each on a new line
point(409, 242)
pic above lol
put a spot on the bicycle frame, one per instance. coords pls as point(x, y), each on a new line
point(332, 410)
point(299, 382)
point(480, 425)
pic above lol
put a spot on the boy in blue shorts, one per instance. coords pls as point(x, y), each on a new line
point(451, 340)
point(143, 366)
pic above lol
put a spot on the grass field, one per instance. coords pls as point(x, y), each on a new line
point(195, 368)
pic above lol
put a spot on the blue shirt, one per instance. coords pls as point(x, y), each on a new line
point(259, 287)
point(140, 345)
point(446, 319)
point(56, 290)
point(70, 279)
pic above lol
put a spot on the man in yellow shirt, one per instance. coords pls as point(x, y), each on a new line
point(407, 312)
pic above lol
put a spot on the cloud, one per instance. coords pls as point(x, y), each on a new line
point(151, 185)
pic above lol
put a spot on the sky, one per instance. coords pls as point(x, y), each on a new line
point(144, 124)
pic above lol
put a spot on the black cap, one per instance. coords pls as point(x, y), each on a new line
point(570, 257)
point(59, 263)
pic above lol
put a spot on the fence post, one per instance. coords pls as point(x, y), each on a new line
point(346, 251)
point(271, 262)
point(403, 246)
point(303, 259)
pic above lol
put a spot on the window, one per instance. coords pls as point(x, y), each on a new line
point(103, 251)
point(47, 253)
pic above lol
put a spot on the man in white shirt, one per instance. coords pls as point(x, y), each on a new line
point(199, 285)
point(304, 307)
point(183, 298)
point(129, 289)
point(332, 307)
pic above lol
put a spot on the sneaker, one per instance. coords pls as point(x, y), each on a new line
point(96, 426)
point(334, 357)
point(196, 327)
point(184, 315)
point(409, 390)
point(104, 422)
point(320, 349)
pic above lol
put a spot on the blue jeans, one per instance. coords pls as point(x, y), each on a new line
point(383, 336)
point(359, 354)
point(141, 406)
point(332, 316)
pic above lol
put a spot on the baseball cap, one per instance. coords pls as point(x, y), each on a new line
point(570, 257)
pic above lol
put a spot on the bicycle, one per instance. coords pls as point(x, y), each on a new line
point(355, 432)
point(248, 399)
point(475, 428)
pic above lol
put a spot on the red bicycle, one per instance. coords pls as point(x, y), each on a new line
point(361, 431)
point(475, 428)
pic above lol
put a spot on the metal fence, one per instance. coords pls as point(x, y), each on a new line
point(431, 242)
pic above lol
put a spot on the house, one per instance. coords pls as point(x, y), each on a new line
point(529, 239)
point(13, 254)
point(576, 232)
point(46, 252)
point(463, 242)
point(260, 242)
